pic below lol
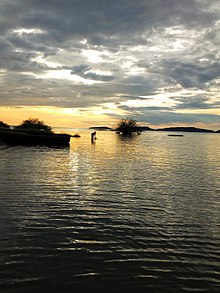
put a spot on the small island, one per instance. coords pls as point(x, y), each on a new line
point(100, 128)
point(186, 129)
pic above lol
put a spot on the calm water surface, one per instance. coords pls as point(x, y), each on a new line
point(137, 214)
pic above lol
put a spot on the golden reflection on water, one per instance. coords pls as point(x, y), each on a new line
point(122, 210)
point(149, 150)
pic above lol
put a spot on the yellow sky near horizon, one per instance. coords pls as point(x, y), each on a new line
point(75, 118)
point(55, 117)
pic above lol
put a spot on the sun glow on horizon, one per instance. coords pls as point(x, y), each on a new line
point(57, 117)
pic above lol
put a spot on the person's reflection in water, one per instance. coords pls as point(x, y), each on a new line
point(93, 137)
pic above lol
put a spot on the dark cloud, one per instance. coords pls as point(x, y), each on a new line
point(160, 115)
point(192, 74)
point(67, 18)
point(144, 109)
point(86, 72)
point(195, 102)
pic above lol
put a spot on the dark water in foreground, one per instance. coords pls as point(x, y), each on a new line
point(120, 215)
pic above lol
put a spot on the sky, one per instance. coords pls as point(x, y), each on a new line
point(81, 63)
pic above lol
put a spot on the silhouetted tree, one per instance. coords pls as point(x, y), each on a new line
point(127, 126)
point(4, 125)
point(34, 123)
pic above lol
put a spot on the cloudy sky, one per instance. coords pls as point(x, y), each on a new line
point(79, 63)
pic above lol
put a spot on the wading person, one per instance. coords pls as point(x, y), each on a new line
point(93, 136)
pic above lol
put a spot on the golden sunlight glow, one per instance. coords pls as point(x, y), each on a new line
point(57, 117)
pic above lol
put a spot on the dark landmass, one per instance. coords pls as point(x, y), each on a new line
point(186, 129)
point(33, 137)
point(75, 135)
point(145, 128)
point(4, 125)
point(100, 128)
point(181, 129)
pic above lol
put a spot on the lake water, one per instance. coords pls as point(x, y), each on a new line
point(124, 214)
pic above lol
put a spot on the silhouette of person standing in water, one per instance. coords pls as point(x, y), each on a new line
point(93, 136)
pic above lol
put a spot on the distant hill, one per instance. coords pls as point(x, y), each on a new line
point(185, 129)
point(145, 128)
point(102, 128)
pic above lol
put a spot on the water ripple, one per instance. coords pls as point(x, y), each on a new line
point(137, 215)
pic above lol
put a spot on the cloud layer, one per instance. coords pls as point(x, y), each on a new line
point(154, 60)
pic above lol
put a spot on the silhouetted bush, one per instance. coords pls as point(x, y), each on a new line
point(4, 125)
point(127, 126)
point(34, 124)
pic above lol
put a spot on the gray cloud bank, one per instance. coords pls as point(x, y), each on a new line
point(130, 54)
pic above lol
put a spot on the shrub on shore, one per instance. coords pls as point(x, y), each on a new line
point(4, 125)
point(34, 124)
